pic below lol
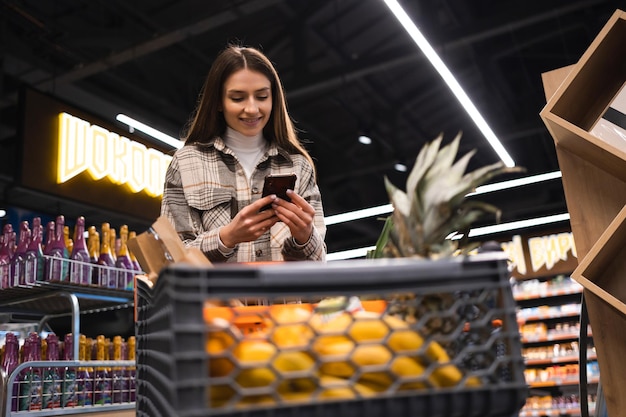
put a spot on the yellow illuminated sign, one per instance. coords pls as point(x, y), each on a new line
point(543, 251)
point(86, 147)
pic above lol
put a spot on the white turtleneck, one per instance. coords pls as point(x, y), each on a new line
point(249, 149)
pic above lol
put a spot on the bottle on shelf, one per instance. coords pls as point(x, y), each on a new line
point(80, 270)
point(113, 243)
point(107, 276)
point(102, 379)
point(10, 361)
point(51, 397)
point(33, 259)
point(17, 262)
point(58, 269)
point(69, 242)
point(136, 266)
point(131, 372)
point(30, 386)
point(7, 249)
point(120, 381)
point(93, 244)
point(50, 232)
point(69, 389)
point(123, 261)
point(84, 375)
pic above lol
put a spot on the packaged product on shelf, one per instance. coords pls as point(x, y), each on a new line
point(29, 380)
point(84, 374)
point(80, 269)
point(6, 253)
point(102, 378)
point(131, 371)
point(10, 361)
point(107, 277)
point(17, 262)
point(57, 268)
point(120, 385)
point(124, 262)
point(34, 258)
point(69, 388)
point(51, 394)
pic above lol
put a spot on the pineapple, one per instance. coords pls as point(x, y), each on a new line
point(434, 206)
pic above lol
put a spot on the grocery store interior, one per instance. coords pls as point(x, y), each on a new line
point(368, 84)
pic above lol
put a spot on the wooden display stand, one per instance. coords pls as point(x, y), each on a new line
point(594, 181)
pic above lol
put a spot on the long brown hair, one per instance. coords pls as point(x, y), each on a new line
point(207, 121)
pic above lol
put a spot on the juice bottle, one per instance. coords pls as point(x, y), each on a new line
point(17, 262)
point(102, 379)
point(51, 397)
point(69, 397)
point(80, 270)
point(7, 249)
point(107, 276)
point(10, 360)
point(30, 387)
point(84, 375)
point(123, 261)
point(58, 269)
point(33, 259)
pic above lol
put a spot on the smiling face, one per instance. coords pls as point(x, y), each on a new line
point(247, 102)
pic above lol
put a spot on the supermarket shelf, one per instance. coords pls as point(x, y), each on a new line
point(553, 412)
point(552, 338)
point(558, 359)
point(561, 381)
point(548, 316)
point(574, 289)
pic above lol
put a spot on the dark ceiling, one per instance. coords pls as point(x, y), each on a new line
point(347, 67)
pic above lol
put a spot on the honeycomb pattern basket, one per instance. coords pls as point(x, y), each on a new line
point(464, 306)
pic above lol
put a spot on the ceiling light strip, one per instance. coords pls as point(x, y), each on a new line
point(503, 185)
point(447, 76)
point(483, 189)
point(479, 231)
point(149, 130)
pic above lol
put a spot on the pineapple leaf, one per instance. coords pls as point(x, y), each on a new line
point(399, 199)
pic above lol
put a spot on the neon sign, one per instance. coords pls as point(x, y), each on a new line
point(103, 154)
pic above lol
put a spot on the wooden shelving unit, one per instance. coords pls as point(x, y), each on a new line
point(594, 181)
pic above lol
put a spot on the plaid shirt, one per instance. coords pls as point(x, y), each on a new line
point(206, 186)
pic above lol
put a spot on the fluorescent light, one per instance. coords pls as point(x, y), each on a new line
point(365, 140)
point(149, 130)
point(497, 228)
point(3, 213)
point(358, 214)
point(348, 254)
point(447, 76)
point(479, 231)
point(483, 189)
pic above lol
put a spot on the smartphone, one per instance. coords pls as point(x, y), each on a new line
point(278, 184)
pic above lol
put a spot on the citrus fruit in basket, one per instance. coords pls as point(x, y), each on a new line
point(221, 337)
point(288, 325)
point(253, 358)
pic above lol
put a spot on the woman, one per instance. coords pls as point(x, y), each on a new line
point(241, 132)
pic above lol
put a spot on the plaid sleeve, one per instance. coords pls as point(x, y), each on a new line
point(315, 248)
